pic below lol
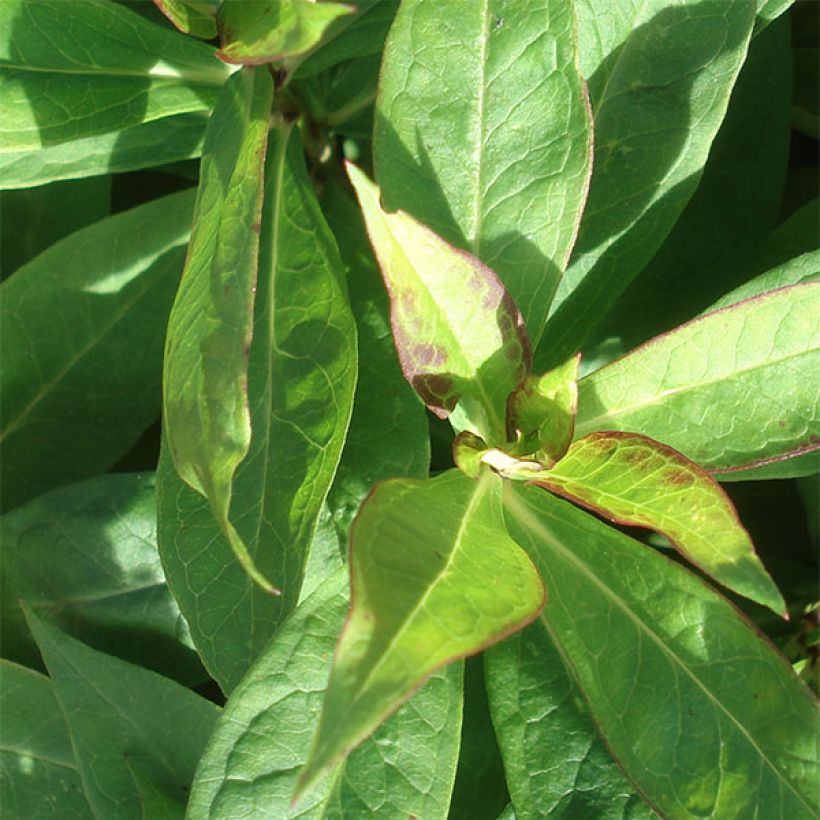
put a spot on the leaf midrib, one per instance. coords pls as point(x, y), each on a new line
point(521, 510)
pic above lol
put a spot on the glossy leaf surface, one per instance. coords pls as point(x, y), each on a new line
point(434, 578)
point(727, 389)
point(205, 410)
point(635, 480)
point(388, 435)
point(114, 710)
point(194, 17)
point(85, 556)
point(88, 67)
point(254, 33)
point(483, 133)
point(459, 336)
point(701, 712)
point(556, 763)
point(406, 768)
point(301, 381)
point(98, 368)
point(38, 775)
point(654, 69)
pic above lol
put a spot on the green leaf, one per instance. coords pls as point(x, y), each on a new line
point(543, 410)
point(634, 480)
point(324, 556)
point(691, 388)
point(388, 436)
point(769, 10)
point(194, 17)
point(77, 393)
point(434, 577)
point(254, 33)
point(74, 70)
point(483, 133)
point(363, 36)
point(38, 775)
point(301, 381)
point(660, 76)
point(251, 763)
point(114, 710)
point(205, 411)
point(155, 804)
point(557, 765)
point(31, 220)
point(737, 201)
point(144, 146)
point(704, 716)
point(86, 557)
point(795, 467)
point(459, 336)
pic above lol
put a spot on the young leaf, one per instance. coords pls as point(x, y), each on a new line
point(653, 74)
point(542, 412)
point(85, 556)
point(459, 336)
point(483, 133)
point(254, 33)
point(194, 17)
point(144, 146)
point(634, 480)
point(700, 711)
point(301, 380)
point(205, 411)
point(115, 710)
point(38, 775)
point(388, 435)
point(557, 764)
point(77, 393)
point(405, 770)
point(434, 577)
point(691, 388)
point(74, 70)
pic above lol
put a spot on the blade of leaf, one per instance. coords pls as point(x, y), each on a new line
point(205, 408)
point(405, 770)
point(88, 67)
point(769, 10)
point(301, 382)
point(704, 716)
point(434, 578)
point(39, 775)
point(97, 370)
point(459, 336)
point(388, 436)
point(86, 557)
point(483, 133)
point(254, 33)
point(635, 480)
point(114, 709)
point(556, 763)
point(194, 17)
point(155, 804)
point(653, 72)
point(690, 388)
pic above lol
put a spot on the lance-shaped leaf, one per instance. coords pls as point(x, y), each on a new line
point(704, 716)
point(434, 577)
point(542, 412)
point(253, 757)
point(77, 394)
point(459, 335)
point(483, 133)
point(301, 381)
point(74, 70)
point(729, 389)
point(38, 774)
point(206, 415)
point(116, 710)
point(254, 33)
point(194, 17)
point(660, 75)
point(635, 480)
point(557, 765)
